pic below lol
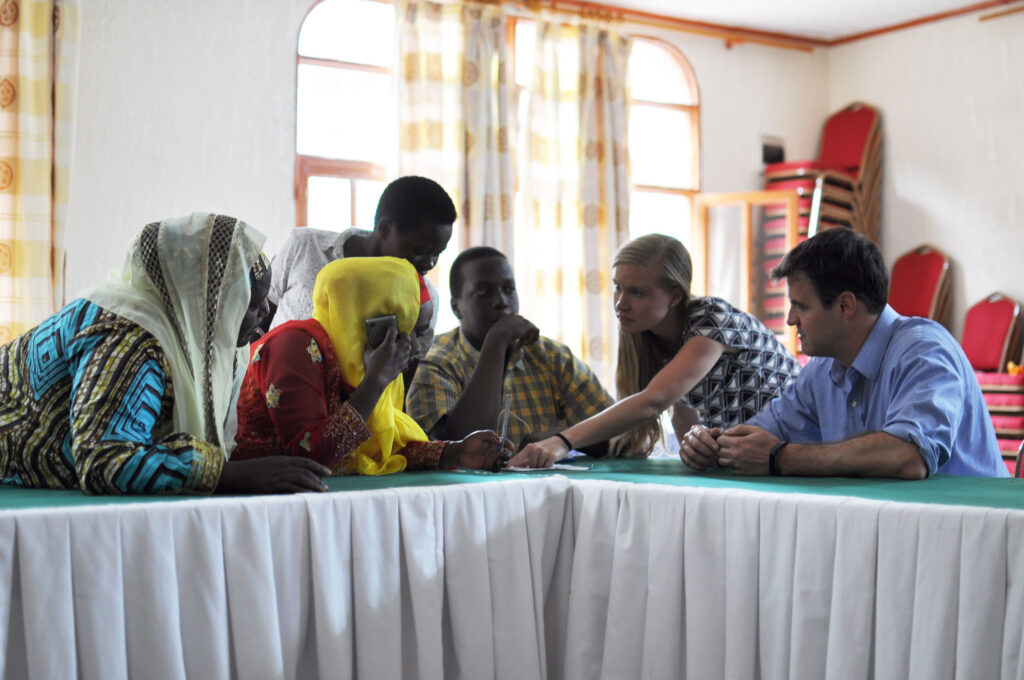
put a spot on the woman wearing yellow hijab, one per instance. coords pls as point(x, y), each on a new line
point(315, 389)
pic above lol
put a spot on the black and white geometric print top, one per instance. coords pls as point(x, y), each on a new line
point(740, 384)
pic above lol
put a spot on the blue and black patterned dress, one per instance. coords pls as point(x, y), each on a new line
point(87, 403)
point(744, 381)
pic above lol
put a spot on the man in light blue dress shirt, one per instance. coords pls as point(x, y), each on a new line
point(883, 396)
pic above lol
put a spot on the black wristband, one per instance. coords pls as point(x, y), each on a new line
point(564, 439)
point(773, 458)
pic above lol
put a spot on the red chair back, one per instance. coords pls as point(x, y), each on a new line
point(846, 136)
point(917, 281)
point(991, 333)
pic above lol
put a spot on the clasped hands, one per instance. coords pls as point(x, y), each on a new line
point(743, 449)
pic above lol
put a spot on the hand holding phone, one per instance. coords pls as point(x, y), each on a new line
point(377, 329)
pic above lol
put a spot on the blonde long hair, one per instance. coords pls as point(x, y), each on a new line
point(636, 365)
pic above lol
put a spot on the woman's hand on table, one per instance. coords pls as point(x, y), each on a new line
point(481, 450)
point(273, 474)
point(542, 454)
point(699, 448)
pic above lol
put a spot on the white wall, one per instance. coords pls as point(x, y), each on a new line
point(182, 106)
point(951, 96)
point(189, 105)
point(747, 91)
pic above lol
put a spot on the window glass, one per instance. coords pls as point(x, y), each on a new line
point(655, 75)
point(356, 31)
point(526, 42)
point(367, 195)
point(329, 201)
point(654, 212)
point(661, 146)
point(333, 103)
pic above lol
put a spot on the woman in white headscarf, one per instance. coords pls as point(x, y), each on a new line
point(130, 388)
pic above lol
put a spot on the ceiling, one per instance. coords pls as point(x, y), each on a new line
point(824, 20)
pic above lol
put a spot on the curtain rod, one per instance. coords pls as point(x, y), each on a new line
point(1005, 12)
point(730, 34)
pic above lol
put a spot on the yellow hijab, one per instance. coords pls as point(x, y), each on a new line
point(347, 293)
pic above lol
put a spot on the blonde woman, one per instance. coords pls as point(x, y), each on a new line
point(710, 362)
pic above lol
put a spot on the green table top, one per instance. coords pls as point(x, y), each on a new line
point(940, 489)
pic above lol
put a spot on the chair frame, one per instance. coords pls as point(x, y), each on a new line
point(939, 308)
point(1012, 341)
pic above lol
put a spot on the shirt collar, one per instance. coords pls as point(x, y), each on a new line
point(869, 359)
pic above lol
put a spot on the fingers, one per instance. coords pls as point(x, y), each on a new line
point(702, 440)
point(697, 460)
point(304, 480)
point(311, 465)
point(699, 448)
point(533, 456)
point(293, 474)
point(531, 336)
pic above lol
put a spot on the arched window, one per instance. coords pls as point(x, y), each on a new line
point(346, 133)
point(345, 129)
point(664, 139)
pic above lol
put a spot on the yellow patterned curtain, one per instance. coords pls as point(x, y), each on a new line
point(430, 91)
point(38, 51)
point(604, 183)
point(432, 132)
point(548, 208)
point(574, 201)
point(489, 182)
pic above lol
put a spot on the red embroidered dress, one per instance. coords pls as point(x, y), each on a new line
point(294, 401)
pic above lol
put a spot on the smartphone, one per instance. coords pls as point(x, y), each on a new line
point(377, 328)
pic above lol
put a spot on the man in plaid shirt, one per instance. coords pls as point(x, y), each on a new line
point(494, 355)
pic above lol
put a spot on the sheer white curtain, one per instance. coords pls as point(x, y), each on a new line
point(549, 225)
point(38, 58)
point(455, 120)
point(489, 180)
point(575, 186)
point(572, 206)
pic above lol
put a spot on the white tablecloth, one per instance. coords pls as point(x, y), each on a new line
point(711, 583)
point(525, 578)
point(431, 582)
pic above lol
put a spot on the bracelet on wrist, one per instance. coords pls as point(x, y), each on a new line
point(773, 458)
point(564, 439)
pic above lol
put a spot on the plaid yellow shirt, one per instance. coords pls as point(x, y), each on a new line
point(551, 389)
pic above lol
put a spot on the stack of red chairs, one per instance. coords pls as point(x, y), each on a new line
point(839, 189)
point(992, 339)
point(919, 285)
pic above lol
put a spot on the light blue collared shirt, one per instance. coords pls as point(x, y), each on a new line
point(911, 380)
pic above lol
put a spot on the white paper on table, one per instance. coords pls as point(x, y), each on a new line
point(556, 466)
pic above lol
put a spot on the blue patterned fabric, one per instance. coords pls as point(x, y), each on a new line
point(89, 404)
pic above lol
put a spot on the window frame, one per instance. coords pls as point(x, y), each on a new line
point(307, 166)
point(692, 109)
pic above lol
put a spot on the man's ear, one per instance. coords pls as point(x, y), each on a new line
point(848, 304)
point(455, 308)
point(384, 228)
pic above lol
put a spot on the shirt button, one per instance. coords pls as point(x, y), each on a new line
point(853, 403)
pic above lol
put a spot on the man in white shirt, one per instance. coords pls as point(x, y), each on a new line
point(413, 221)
